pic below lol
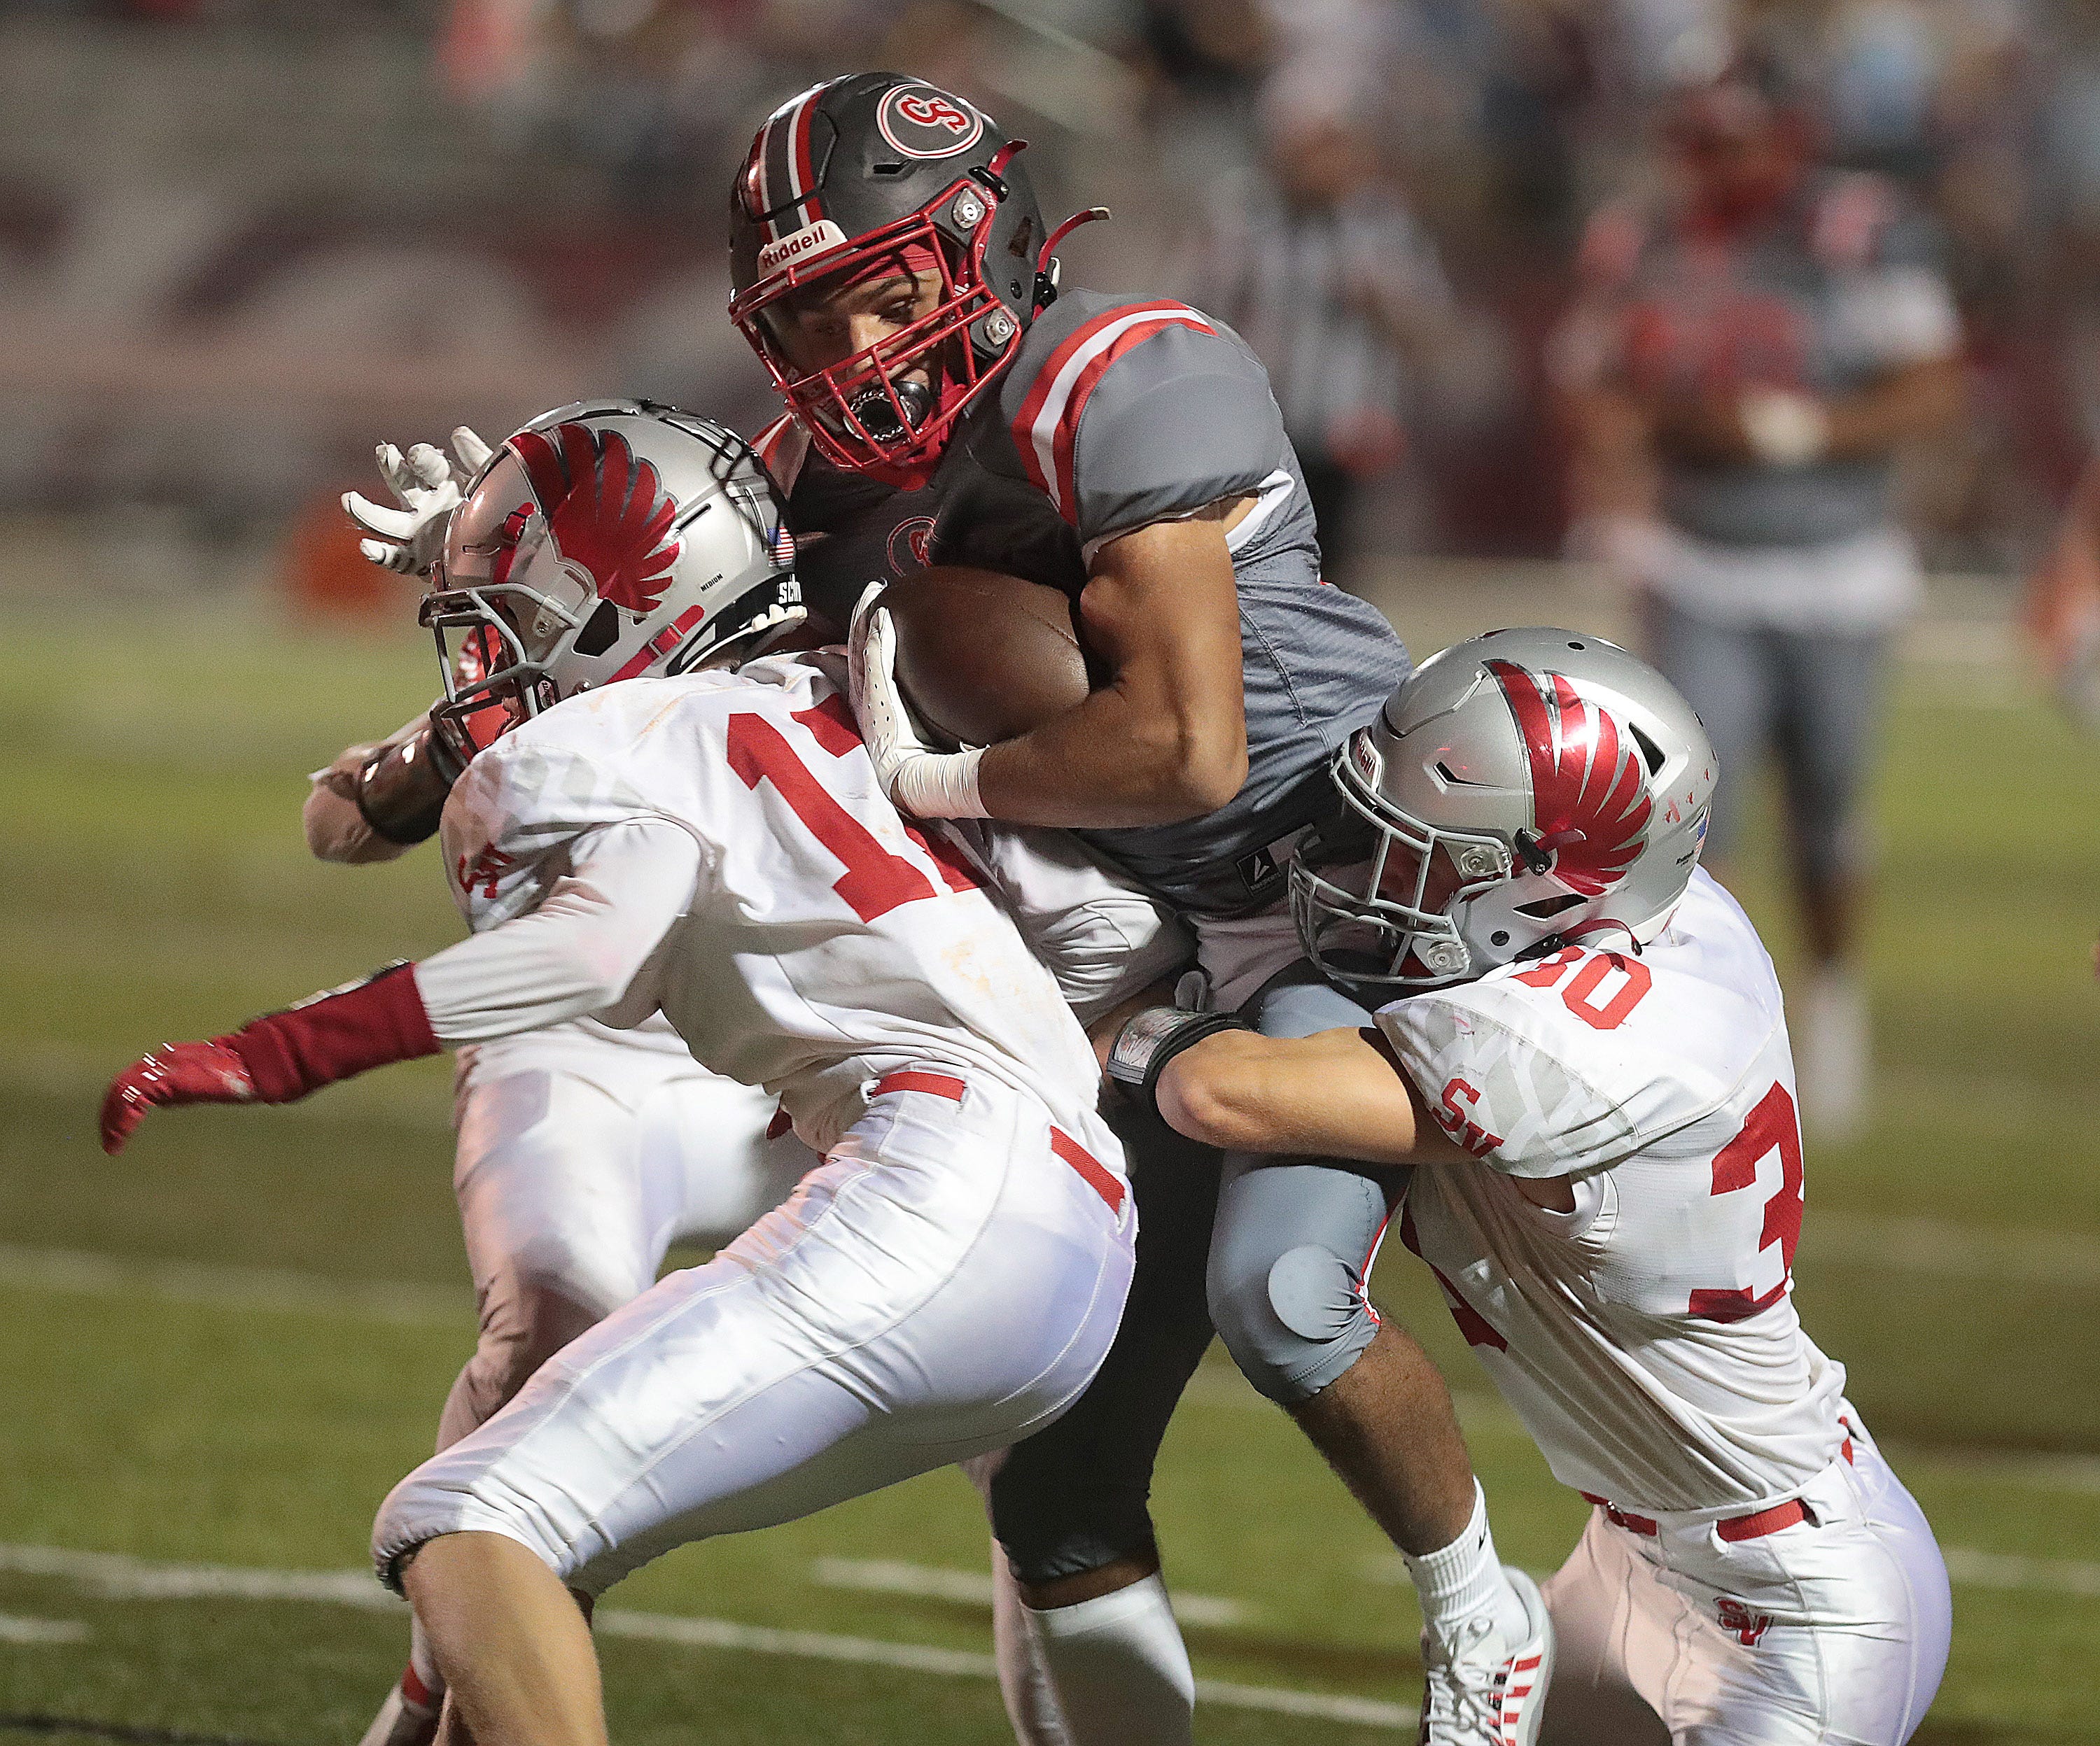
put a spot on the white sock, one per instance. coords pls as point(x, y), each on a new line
point(1464, 1580)
point(1121, 1668)
point(1024, 1672)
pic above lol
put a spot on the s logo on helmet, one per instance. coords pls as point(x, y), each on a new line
point(923, 122)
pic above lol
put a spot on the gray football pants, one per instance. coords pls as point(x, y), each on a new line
point(1275, 1252)
point(1811, 698)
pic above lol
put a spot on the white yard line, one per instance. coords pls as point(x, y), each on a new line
point(31, 1632)
point(2002, 1570)
point(75, 1271)
point(111, 1575)
point(882, 1575)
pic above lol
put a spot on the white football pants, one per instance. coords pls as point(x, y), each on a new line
point(947, 1281)
point(1831, 1631)
point(582, 1157)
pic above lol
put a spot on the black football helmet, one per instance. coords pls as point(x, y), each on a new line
point(873, 169)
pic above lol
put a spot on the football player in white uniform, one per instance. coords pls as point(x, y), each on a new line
point(714, 847)
point(1587, 1060)
point(584, 1152)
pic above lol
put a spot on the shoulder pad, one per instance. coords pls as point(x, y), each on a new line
point(1070, 347)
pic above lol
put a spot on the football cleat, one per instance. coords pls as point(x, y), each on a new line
point(1483, 1690)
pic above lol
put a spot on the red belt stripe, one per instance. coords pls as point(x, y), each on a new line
point(1733, 1528)
point(1096, 1176)
point(940, 1084)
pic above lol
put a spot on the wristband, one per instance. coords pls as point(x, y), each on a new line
point(1783, 428)
point(1152, 1038)
point(334, 1035)
point(939, 785)
point(400, 792)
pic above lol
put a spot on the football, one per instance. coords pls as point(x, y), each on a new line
point(982, 656)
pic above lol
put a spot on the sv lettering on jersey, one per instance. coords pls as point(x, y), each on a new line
point(1462, 1127)
point(486, 869)
point(1746, 1626)
point(1578, 994)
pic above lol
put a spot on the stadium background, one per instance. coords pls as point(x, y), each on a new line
point(240, 241)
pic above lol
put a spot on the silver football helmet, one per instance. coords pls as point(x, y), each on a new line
point(1524, 789)
point(605, 540)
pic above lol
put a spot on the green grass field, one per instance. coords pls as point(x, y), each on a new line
point(222, 1348)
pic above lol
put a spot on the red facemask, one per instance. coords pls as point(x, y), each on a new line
point(887, 409)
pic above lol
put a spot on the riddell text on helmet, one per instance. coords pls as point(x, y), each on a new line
point(799, 246)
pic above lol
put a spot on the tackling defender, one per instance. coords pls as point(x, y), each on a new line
point(712, 847)
point(892, 271)
point(1589, 1062)
point(584, 1152)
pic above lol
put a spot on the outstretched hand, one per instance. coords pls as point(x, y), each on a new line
point(428, 487)
point(175, 1073)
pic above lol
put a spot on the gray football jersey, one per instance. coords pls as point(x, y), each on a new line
point(1837, 290)
point(1118, 411)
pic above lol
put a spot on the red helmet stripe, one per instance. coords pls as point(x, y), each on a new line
point(1584, 779)
point(802, 165)
point(1046, 426)
point(786, 163)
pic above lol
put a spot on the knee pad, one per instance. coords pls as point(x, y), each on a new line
point(1296, 1326)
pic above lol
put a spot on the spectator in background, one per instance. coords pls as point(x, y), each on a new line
point(1748, 353)
point(1316, 260)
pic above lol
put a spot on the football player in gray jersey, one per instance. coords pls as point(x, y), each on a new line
point(1749, 357)
point(892, 271)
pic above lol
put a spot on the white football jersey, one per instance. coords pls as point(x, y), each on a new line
point(828, 942)
point(1648, 1338)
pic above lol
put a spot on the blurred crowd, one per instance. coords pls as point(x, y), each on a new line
point(238, 239)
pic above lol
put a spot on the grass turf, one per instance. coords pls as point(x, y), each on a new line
point(158, 888)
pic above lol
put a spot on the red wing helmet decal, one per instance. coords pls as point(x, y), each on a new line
point(1589, 789)
point(605, 512)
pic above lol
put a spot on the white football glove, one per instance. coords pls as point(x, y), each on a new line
point(409, 539)
point(926, 784)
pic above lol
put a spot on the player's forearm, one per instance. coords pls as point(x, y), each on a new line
point(581, 951)
point(1166, 737)
point(1116, 761)
point(1335, 1094)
